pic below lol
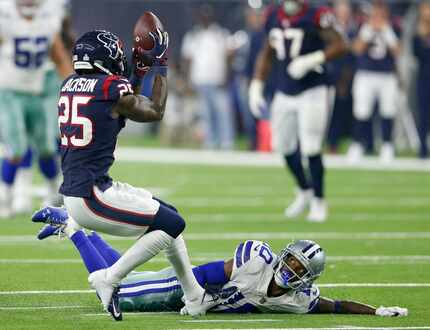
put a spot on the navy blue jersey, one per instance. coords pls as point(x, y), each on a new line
point(292, 36)
point(377, 57)
point(421, 48)
point(88, 130)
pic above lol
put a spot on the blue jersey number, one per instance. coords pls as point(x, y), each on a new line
point(266, 254)
point(30, 52)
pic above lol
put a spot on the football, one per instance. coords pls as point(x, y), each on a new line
point(146, 23)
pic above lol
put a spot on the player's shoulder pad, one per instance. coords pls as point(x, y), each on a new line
point(250, 250)
point(114, 87)
point(324, 17)
point(6, 10)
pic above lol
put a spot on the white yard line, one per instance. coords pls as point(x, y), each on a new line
point(18, 308)
point(12, 239)
point(347, 327)
point(322, 285)
point(252, 159)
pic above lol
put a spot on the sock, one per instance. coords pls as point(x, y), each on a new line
point(89, 254)
point(316, 168)
point(8, 171)
point(177, 254)
point(27, 159)
point(361, 132)
point(387, 130)
point(211, 273)
point(49, 167)
point(141, 251)
point(72, 227)
point(294, 162)
point(109, 254)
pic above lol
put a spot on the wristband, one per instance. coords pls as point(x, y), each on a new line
point(337, 306)
point(160, 67)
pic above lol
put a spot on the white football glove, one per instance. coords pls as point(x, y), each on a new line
point(389, 36)
point(257, 101)
point(367, 33)
point(301, 65)
point(391, 311)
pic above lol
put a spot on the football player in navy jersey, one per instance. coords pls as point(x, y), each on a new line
point(93, 107)
point(299, 40)
point(377, 48)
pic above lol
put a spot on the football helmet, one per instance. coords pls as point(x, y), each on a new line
point(292, 7)
point(99, 50)
point(28, 8)
point(312, 258)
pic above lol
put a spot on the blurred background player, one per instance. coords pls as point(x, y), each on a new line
point(29, 35)
point(342, 73)
point(22, 201)
point(206, 57)
point(421, 49)
point(377, 48)
point(255, 280)
point(300, 39)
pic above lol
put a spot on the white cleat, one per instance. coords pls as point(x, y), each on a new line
point(300, 204)
point(355, 153)
point(386, 154)
point(318, 210)
point(103, 288)
point(199, 307)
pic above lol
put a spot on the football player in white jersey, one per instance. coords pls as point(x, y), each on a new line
point(22, 202)
point(254, 280)
point(28, 37)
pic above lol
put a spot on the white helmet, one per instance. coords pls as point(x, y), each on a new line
point(28, 8)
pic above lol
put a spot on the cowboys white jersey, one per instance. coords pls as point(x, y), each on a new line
point(252, 273)
point(24, 47)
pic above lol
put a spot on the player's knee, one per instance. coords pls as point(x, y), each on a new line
point(310, 148)
point(361, 114)
point(285, 148)
point(168, 221)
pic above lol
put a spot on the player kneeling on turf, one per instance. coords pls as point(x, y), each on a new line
point(254, 280)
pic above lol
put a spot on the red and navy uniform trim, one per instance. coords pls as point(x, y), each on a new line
point(111, 213)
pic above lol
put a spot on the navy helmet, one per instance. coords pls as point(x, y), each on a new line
point(101, 51)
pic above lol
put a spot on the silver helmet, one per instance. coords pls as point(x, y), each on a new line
point(310, 255)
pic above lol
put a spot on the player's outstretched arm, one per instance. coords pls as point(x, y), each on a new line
point(61, 57)
point(142, 109)
point(326, 305)
point(263, 65)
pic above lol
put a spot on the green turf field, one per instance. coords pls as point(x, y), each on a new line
point(384, 215)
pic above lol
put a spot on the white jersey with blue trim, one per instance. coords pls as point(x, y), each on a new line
point(24, 47)
point(252, 273)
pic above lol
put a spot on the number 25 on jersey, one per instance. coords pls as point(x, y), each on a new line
point(76, 129)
